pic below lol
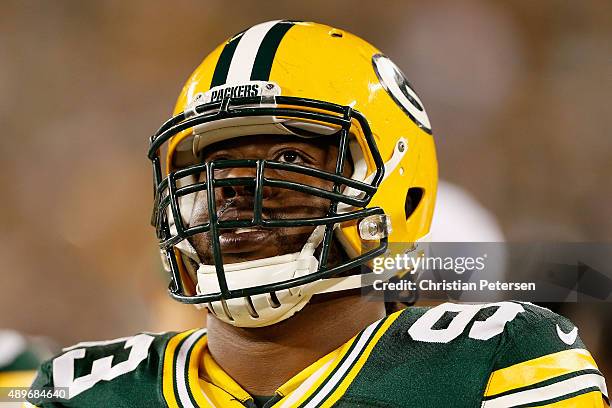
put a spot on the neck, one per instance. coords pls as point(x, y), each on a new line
point(263, 359)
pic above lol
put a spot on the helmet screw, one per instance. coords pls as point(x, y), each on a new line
point(372, 229)
point(401, 146)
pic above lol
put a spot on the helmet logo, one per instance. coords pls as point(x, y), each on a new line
point(247, 89)
point(400, 90)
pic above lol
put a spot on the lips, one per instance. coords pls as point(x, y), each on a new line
point(242, 240)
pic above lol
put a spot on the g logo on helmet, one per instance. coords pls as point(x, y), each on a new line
point(399, 89)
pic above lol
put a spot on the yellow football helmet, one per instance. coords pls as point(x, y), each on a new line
point(307, 80)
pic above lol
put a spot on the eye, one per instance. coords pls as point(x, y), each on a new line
point(209, 158)
point(290, 156)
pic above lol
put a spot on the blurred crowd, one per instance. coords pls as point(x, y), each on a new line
point(517, 93)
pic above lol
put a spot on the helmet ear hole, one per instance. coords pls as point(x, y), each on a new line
point(413, 198)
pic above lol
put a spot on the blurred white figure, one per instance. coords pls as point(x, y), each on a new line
point(458, 217)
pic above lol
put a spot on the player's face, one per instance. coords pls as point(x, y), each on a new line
point(236, 203)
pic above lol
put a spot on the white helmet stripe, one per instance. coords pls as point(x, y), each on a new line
point(246, 51)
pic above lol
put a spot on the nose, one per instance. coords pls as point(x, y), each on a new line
point(241, 191)
point(228, 192)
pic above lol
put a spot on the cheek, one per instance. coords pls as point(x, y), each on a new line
point(199, 212)
point(294, 177)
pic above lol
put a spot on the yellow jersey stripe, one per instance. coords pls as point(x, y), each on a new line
point(320, 370)
point(358, 365)
point(338, 374)
point(168, 368)
point(538, 370)
point(221, 379)
point(218, 396)
point(223, 390)
point(181, 373)
point(559, 391)
point(193, 377)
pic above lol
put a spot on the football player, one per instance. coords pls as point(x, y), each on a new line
point(297, 152)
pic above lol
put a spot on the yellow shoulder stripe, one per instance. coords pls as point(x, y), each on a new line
point(539, 369)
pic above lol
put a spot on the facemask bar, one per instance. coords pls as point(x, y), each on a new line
point(167, 193)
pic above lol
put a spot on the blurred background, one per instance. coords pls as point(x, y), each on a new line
point(517, 93)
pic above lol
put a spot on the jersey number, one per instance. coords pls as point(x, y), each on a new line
point(422, 329)
point(101, 369)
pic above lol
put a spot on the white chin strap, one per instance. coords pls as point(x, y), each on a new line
point(270, 308)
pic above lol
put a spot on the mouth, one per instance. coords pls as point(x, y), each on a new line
point(236, 214)
point(241, 240)
point(246, 230)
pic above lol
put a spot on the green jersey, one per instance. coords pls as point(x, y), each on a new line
point(506, 354)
